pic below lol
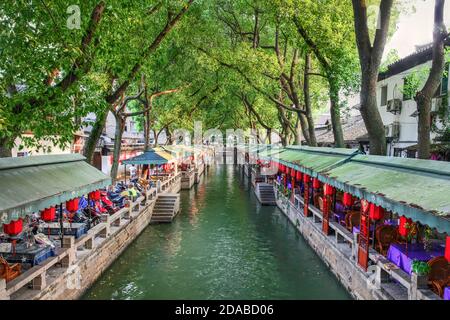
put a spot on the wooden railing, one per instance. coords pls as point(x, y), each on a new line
point(35, 278)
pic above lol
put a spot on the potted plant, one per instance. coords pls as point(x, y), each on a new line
point(421, 268)
point(419, 276)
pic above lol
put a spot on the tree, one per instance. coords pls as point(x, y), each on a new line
point(370, 56)
point(43, 66)
point(424, 96)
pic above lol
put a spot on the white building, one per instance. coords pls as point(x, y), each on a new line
point(398, 109)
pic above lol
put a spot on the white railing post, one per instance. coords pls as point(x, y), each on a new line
point(3, 294)
point(69, 244)
point(105, 232)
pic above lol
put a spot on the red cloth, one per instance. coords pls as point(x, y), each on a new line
point(106, 201)
point(299, 175)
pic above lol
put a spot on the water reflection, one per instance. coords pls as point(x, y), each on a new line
point(222, 245)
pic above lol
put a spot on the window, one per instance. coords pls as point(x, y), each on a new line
point(384, 90)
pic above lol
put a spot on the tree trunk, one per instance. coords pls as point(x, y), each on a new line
point(298, 136)
point(303, 125)
point(311, 132)
point(370, 60)
point(120, 126)
point(147, 131)
point(425, 96)
point(424, 126)
point(96, 132)
point(5, 148)
point(335, 112)
point(371, 115)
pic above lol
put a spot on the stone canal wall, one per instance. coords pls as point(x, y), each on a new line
point(80, 262)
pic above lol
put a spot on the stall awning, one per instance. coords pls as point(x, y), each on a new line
point(312, 160)
point(418, 189)
point(31, 184)
point(154, 156)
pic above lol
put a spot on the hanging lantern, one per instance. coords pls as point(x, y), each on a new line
point(447, 249)
point(48, 214)
point(13, 228)
point(402, 230)
point(376, 212)
point(305, 178)
point(316, 183)
point(347, 199)
point(72, 205)
point(299, 175)
point(328, 190)
point(95, 195)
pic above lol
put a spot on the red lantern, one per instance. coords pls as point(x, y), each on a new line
point(94, 195)
point(316, 183)
point(299, 175)
point(347, 199)
point(305, 178)
point(376, 212)
point(48, 214)
point(72, 205)
point(402, 230)
point(13, 228)
point(328, 190)
point(447, 249)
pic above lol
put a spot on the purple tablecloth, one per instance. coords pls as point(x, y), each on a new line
point(447, 293)
point(403, 258)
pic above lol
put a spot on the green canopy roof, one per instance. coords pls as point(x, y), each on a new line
point(419, 189)
point(155, 156)
point(31, 184)
point(312, 160)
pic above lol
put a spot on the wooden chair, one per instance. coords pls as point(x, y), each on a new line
point(352, 219)
point(439, 276)
point(385, 235)
point(9, 272)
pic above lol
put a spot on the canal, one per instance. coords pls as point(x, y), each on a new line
point(222, 245)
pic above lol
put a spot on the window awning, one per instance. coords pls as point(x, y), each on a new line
point(156, 156)
point(418, 189)
point(31, 184)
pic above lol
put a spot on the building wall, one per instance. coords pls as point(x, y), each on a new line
point(408, 124)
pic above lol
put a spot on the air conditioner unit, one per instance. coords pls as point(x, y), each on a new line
point(393, 130)
point(436, 104)
point(394, 106)
point(387, 131)
point(396, 130)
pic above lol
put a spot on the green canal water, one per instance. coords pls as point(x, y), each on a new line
point(222, 245)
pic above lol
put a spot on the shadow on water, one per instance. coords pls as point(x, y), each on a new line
point(222, 245)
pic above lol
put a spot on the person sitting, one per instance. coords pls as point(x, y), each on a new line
point(131, 193)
